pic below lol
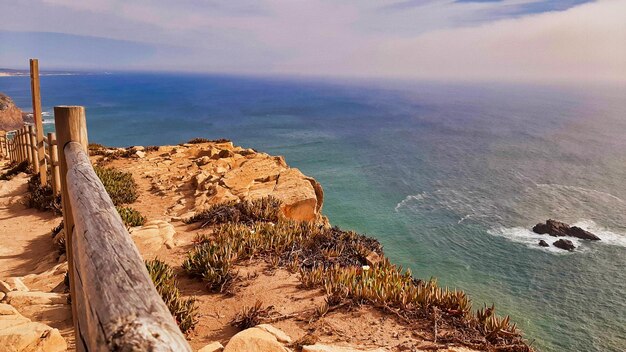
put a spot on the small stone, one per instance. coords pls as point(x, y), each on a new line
point(5, 287)
point(21, 298)
point(18, 285)
point(327, 348)
point(212, 347)
point(139, 154)
point(2, 295)
point(279, 334)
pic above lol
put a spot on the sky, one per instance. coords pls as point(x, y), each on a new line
point(495, 40)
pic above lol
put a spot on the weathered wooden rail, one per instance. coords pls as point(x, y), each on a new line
point(115, 305)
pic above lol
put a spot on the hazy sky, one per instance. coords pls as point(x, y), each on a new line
point(529, 40)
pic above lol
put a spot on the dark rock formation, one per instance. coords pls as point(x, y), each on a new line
point(543, 243)
point(561, 229)
point(564, 244)
point(10, 115)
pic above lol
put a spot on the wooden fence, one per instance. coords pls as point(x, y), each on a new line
point(115, 305)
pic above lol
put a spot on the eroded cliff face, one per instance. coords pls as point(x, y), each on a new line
point(195, 176)
point(10, 115)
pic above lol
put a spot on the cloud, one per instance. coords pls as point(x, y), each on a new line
point(532, 40)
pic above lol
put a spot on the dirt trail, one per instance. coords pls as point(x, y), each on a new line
point(25, 242)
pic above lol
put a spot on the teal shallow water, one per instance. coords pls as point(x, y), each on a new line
point(448, 177)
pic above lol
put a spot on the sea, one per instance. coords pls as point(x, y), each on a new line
point(450, 177)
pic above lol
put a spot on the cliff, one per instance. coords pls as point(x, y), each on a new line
point(242, 235)
point(10, 115)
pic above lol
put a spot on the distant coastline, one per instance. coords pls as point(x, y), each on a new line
point(6, 72)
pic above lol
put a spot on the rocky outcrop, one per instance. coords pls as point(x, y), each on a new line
point(218, 172)
point(10, 115)
point(561, 229)
point(564, 244)
point(154, 234)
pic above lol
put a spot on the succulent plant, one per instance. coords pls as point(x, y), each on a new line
point(120, 185)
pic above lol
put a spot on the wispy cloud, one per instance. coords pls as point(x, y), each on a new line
point(449, 39)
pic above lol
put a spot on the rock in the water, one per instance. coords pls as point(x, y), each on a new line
point(543, 243)
point(564, 244)
point(561, 229)
point(254, 339)
point(212, 347)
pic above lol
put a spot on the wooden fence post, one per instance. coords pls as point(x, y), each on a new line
point(34, 155)
point(39, 147)
point(71, 126)
point(23, 149)
point(53, 152)
point(3, 135)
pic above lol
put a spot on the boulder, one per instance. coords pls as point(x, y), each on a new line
point(254, 339)
point(328, 348)
point(301, 200)
point(18, 333)
point(10, 114)
point(564, 244)
point(212, 347)
point(561, 229)
point(18, 285)
point(154, 234)
point(543, 243)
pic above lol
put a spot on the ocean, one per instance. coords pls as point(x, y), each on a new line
point(450, 177)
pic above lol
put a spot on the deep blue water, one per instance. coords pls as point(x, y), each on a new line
point(449, 177)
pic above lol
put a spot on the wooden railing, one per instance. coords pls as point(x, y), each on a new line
point(115, 305)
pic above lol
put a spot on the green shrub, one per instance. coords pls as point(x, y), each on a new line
point(130, 216)
point(264, 209)
point(15, 169)
point(212, 263)
point(42, 197)
point(120, 185)
point(183, 309)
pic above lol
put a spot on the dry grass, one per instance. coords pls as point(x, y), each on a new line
point(42, 197)
point(15, 168)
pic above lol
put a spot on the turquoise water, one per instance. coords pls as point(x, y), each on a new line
point(449, 177)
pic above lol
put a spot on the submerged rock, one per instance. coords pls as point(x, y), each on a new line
point(561, 229)
point(564, 244)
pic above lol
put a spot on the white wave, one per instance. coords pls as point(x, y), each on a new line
point(607, 236)
point(48, 121)
point(409, 198)
point(531, 239)
point(46, 113)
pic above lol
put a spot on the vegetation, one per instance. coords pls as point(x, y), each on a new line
point(59, 240)
point(131, 216)
point(205, 140)
point(14, 169)
point(263, 210)
point(183, 309)
point(42, 197)
point(335, 261)
point(120, 185)
point(251, 316)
